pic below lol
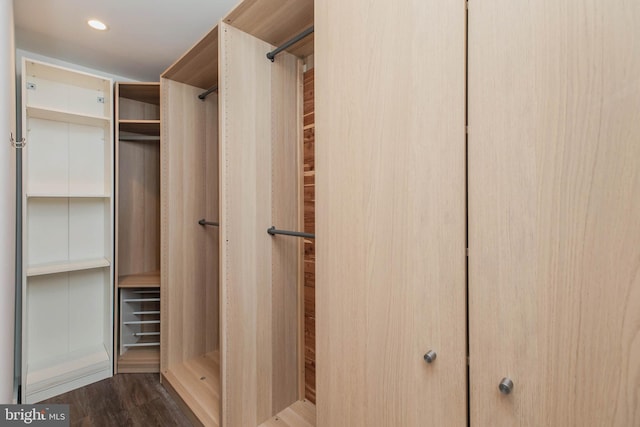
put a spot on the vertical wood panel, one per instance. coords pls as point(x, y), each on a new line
point(245, 216)
point(286, 82)
point(138, 207)
point(259, 272)
point(554, 196)
point(188, 280)
point(212, 234)
point(390, 213)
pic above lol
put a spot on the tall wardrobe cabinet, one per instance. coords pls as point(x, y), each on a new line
point(534, 172)
point(68, 230)
point(390, 213)
point(554, 203)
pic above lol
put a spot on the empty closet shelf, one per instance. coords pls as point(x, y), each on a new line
point(142, 322)
point(142, 300)
point(67, 117)
point(66, 266)
point(141, 280)
point(142, 127)
point(145, 334)
point(146, 312)
point(143, 344)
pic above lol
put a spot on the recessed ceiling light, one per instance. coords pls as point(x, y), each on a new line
point(98, 25)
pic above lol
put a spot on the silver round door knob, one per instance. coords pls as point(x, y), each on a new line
point(430, 356)
point(506, 386)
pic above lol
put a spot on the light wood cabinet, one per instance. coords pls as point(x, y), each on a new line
point(390, 213)
point(68, 230)
point(190, 343)
point(554, 202)
point(233, 158)
point(552, 299)
point(137, 111)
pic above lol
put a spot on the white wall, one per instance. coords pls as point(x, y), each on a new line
point(7, 200)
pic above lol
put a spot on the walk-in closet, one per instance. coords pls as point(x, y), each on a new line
point(337, 214)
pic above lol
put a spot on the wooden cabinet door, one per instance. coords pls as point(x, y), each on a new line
point(390, 211)
point(554, 212)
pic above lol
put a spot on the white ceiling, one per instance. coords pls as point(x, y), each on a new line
point(144, 36)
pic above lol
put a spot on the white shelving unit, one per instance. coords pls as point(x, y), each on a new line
point(68, 230)
point(140, 318)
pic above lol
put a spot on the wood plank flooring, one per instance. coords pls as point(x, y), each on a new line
point(121, 401)
point(300, 414)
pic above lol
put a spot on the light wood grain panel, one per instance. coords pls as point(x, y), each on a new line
point(139, 360)
point(199, 65)
point(142, 280)
point(259, 161)
point(390, 213)
point(196, 386)
point(275, 22)
point(286, 129)
point(300, 414)
point(212, 242)
point(131, 109)
point(554, 202)
point(147, 92)
point(245, 212)
point(142, 127)
point(188, 282)
point(138, 208)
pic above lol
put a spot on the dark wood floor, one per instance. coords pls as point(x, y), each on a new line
point(124, 400)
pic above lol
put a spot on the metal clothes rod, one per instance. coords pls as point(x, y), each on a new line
point(272, 55)
point(273, 231)
point(203, 95)
point(204, 222)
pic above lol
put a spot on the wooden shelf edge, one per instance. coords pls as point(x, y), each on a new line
point(139, 360)
point(142, 280)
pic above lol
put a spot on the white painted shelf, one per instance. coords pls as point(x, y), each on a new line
point(61, 267)
point(67, 116)
point(67, 196)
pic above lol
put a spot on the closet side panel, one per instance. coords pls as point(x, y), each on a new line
point(390, 213)
point(286, 114)
point(554, 203)
point(258, 189)
point(185, 286)
point(212, 241)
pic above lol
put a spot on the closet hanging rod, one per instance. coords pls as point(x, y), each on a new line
point(205, 222)
point(272, 55)
point(203, 95)
point(273, 231)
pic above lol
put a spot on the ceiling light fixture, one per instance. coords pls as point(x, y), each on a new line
point(98, 25)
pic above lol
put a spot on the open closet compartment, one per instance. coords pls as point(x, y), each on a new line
point(261, 186)
point(189, 350)
point(137, 110)
point(68, 239)
point(137, 333)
